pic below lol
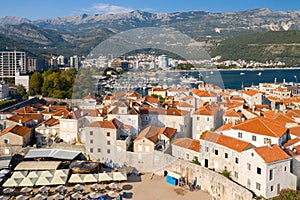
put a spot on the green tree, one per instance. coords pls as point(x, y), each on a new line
point(21, 91)
point(36, 83)
point(226, 173)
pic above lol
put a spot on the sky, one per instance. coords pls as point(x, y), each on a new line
point(35, 9)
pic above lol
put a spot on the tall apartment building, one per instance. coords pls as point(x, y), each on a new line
point(12, 62)
point(163, 61)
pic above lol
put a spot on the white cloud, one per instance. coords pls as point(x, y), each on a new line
point(102, 8)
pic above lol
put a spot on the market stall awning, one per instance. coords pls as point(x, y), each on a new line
point(57, 180)
point(90, 178)
point(38, 165)
point(76, 178)
point(118, 176)
point(105, 177)
point(43, 180)
point(11, 182)
point(28, 182)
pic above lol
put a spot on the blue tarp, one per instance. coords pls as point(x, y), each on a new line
point(172, 180)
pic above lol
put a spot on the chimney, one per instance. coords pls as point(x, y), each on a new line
point(20, 121)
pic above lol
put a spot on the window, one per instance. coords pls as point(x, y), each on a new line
point(248, 166)
point(267, 141)
point(198, 118)
point(236, 174)
point(206, 149)
point(108, 134)
point(187, 156)
point(257, 186)
point(258, 170)
point(108, 142)
point(236, 160)
point(147, 149)
point(252, 154)
point(226, 155)
point(285, 168)
point(272, 188)
point(108, 151)
point(207, 119)
point(253, 138)
point(91, 141)
point(99, 150)
point(271, 174)
point(140, 148)
point(240, 135)
point(91, 150)
point(6, 141)
point(91, 133)
point(216, 152)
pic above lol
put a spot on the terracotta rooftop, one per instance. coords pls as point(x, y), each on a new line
point(293, 113)
point(204, 93)
point(262, 126)
point(208, 109)
point(271, 154)
point(151, 133)
point(233, 113)
point(17, 129)
point(163, 111)
point(184, 105)
point(295, 131)
point(250, 92)
point(18, 118)
point(168, 132)
point(188, 143)
point(51, 122)
point(282, 118)
point(225, 127)
point(291, 142)
point(226, 141)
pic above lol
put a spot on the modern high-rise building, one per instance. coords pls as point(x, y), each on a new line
point(163, 62)
point(61, 60)
point(12, 62)
point(75, 62)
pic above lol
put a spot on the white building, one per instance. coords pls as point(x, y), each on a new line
point(266, 170)
point(259, 131)
point(75, 62)
point(12, 62)
point(163, 62)
point(61, 60)
point(4, 90)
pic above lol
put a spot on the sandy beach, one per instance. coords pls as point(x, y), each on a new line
point(156, 188)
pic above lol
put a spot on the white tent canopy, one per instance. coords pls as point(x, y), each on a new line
point(105, 177)
point(28, 182)
point(19, 174)
point(61, 172)
point(76, 178)
point(57, 180)
point(11, 182)
point(47, 173)
point(90, 178)
point(43, 180)
point(32, 174)
point(118, 176)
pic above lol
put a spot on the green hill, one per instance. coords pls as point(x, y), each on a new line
point(272, 45)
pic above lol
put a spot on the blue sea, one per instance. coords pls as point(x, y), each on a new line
point(235, 78)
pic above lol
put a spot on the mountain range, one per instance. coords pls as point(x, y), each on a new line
point(79, 34)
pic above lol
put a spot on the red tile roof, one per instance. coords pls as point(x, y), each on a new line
point(295, 131)
point(18, 118)
point(51, 122)
point(17, 129)
point(262, 126)
point(151, 133)
point(226, 141)
point(291, 142)
point(209, 109)
point(188, 143)
point(204, 93)
point(271, 154)
point(233, 113)
point(168, 132)
point(250, 92)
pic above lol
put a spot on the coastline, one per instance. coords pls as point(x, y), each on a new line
point(238, 69)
